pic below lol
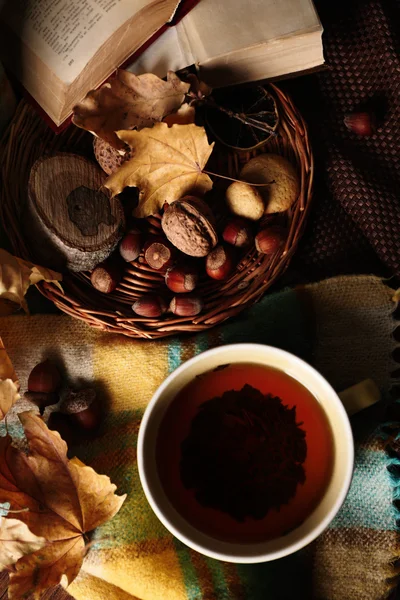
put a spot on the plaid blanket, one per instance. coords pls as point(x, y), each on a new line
point(133, 556)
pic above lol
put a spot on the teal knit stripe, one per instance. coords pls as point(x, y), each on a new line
point(373, 483)
point(188, 571)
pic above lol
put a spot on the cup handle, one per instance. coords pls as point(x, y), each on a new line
point(360, 396)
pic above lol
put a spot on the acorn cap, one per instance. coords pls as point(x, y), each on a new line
point(76, 402)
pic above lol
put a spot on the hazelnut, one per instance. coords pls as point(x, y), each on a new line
point(237, 232)
point(82, 408)
point(361, 123)
point(244, 201)
point(186, 306)
point(270, 239)
point(181, 278)
point(150, 306)
point(44, 378)
point(131, 245)
point(285, 186)
point(42, 399)
point(106, 276)
point(189, 224)
point(158, 253)
point(220, 262)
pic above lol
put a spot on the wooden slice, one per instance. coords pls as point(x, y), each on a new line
point(71, 222)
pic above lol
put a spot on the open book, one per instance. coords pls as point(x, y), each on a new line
point(61, 49)
point(236, 41)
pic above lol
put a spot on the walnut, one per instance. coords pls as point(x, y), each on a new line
point(189, 225)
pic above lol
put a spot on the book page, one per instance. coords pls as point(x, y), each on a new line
point(214, 28)
point(65, 34)
point(165, 54)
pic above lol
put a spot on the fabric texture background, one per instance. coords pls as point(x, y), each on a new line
point(355, 221)
point(135, 557)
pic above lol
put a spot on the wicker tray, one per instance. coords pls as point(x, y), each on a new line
point(28, 138)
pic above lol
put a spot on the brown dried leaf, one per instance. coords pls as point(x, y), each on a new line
point(16, 540)
point(167, 163)
point(8, 396)
point(129, 101)
point(183, 116)
point(6, 367)
point(16, 275)
point(65, 498)
point(9, 385)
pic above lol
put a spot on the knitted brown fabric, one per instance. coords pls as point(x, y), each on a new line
point(355, 222)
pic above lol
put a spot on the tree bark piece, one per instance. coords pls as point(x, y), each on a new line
point(71, 222)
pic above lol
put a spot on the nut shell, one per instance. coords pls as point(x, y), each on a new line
point(106, 276)
point(131, 245)
point(220, 263)
point(181, 278)
point(150, 306)
point(76, 402)
point(186, 306)
point(270, 239)
point(108, 157)
point(189, 224)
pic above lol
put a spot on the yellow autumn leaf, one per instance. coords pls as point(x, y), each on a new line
point(16, 540)
point(16, 275)
point(129, 101)
point(167, 164)
point(65, 499)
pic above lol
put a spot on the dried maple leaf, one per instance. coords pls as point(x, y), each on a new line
point(65, 498)
point(129, 101)
point(16, 540)
point(16, 275)
point(167, 163)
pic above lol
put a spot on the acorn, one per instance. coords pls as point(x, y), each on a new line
point(159, 253)
point(44, 378)
point(150, 306)
point(220, 262)
point(82, 408)
point(188, 305)
point(181, 278)
point(270, 239)
point(131, 245)
point(237, 232)
point(42, 399)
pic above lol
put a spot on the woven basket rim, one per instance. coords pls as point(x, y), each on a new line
point(28, 138)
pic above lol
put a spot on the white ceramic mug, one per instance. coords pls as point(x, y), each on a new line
point(334, 495)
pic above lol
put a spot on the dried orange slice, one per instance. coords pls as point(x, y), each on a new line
point(242, 118)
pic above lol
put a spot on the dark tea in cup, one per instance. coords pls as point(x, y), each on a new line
point(245, 453)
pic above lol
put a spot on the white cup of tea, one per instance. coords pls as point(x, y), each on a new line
point(202, 524)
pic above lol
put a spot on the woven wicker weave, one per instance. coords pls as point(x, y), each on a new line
point(28, 138)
